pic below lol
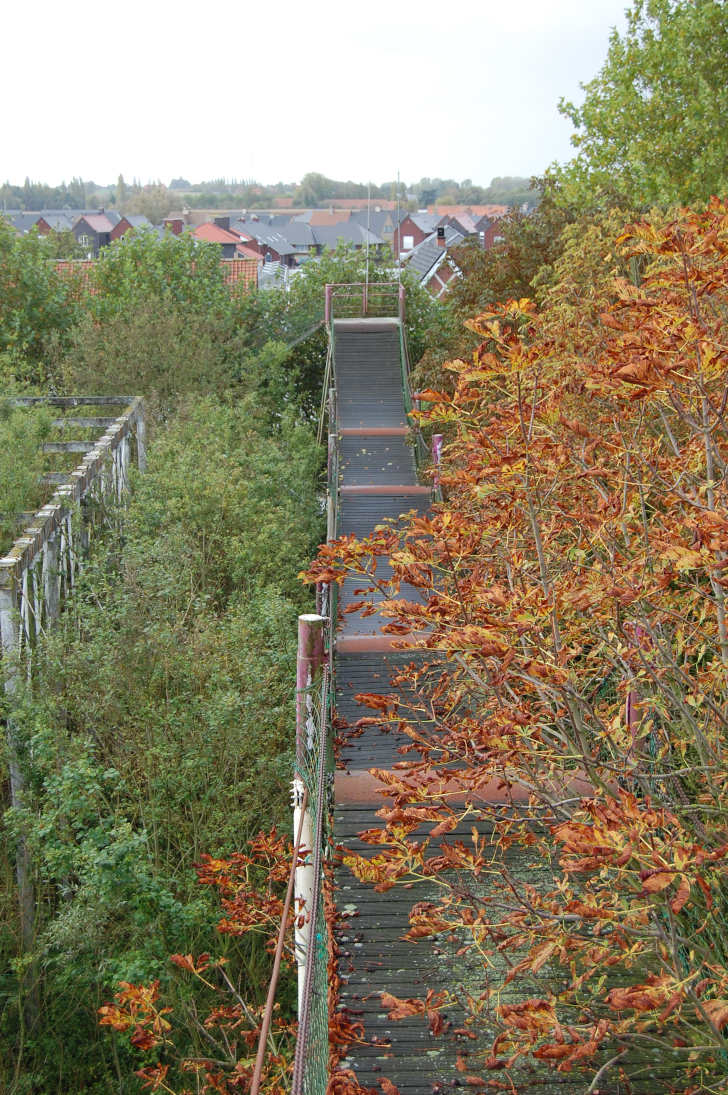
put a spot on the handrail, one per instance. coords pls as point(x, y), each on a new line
point(325, 389)
point(311, 1055)
point(359, 297)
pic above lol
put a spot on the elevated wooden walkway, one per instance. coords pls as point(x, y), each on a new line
point(378, 480)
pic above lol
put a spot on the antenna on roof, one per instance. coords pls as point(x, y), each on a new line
point(399, 239)
point(369, 197)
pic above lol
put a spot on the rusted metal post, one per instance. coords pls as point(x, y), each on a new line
point(308, 671)
point(328, 296)
point(402, 315)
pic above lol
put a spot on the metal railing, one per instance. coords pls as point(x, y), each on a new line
point(314, 775)
point(314, 781)
point(351, 300)
point(422, 454)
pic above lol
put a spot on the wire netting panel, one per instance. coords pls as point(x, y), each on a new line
point(315, 768)
point(316, 1036)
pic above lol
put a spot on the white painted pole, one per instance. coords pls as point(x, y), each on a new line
point(303, 884)
point(308, 669)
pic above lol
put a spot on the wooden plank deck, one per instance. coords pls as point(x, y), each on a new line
point(373, 957)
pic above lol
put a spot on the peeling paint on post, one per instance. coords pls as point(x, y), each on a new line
point(308, 668)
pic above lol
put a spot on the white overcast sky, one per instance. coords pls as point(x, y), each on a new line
point(271, 90)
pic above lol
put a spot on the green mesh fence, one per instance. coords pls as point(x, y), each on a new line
point(315, 768)
point(291, 325)
point(422, 452)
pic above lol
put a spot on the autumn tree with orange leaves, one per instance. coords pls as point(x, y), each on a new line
point(249, 888)
point(573, 591)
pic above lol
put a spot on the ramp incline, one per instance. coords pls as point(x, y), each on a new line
point(378, 481)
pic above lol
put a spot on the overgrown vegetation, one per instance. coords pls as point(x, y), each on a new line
point(157, 731)
point(158, 726)
point(22, 432)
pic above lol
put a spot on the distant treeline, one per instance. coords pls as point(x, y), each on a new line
point(313, 190)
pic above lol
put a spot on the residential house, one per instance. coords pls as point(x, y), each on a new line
point(489, 231)
point(44, 221)
point(92, 232)
point(328, 237)
point(432, 262)
point(175, 225)
point(413, 229)
point(128, 222)
point(55, 220)
point(267, 241)
point(463, 223)
point(214, 233)
point(24, 222)
point(475, 211)
point(380, 221)
point(322, 218)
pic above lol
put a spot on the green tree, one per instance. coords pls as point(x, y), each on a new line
point(153, 201)
point(648, 131)
point(36, 305)
point(171, 270)
point(121, 191)
point(313, 188)
point(77, 192)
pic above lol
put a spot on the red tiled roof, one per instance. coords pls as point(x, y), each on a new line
point(361, 203)
point(213, 233)
point(240, 272)
point(99, 222)
point(319, 217)
point(246, 252)
point(80, 270)
point(236, 272)
point(474, 210)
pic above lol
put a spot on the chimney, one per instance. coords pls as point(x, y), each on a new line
point(223, 222)
point(441, 241)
